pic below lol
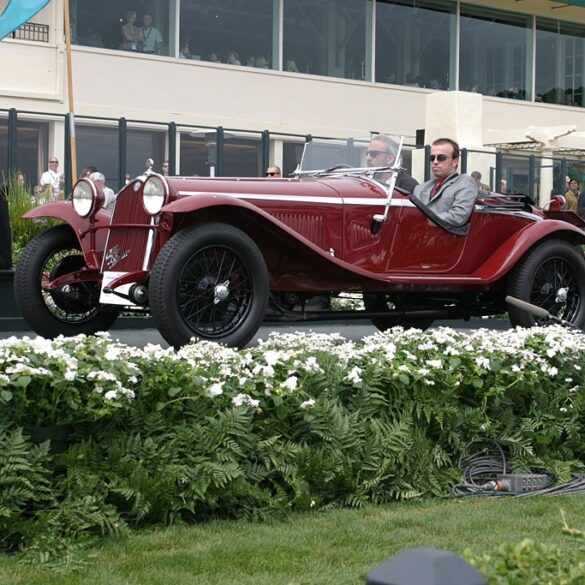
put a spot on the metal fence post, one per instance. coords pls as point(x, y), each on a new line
point(12, 162)
point(219, 146)
point(563, 173)
point(427, 163)
point(172, 137)
point(265, 151)
point(122, 139)
point(531, 176)
point(499, 165)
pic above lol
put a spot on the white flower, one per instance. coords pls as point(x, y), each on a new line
point(215, 389)
point(355, 375)
point(110, 394)
point(271, 357)
point(290, 383)
point(482, 362)
point(435, 363)
point(242, 399)
point(307, 404)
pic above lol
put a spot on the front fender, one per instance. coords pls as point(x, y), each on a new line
point(92, 239)
point(513, 249)
point(324, 264)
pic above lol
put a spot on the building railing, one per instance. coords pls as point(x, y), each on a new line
point(31, 31)
point(521, 171)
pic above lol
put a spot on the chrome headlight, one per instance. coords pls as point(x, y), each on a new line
point(154, 194)
point(87, 197)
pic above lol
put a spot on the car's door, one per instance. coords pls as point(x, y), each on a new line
point(420, 245)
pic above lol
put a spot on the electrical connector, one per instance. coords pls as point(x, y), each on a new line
point(519, 483)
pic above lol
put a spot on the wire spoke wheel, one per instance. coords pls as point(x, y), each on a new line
point(75, 303)
point(551, 276)
point(209, 281)
point(214, 292)
point(71, 309)
point(555, 289)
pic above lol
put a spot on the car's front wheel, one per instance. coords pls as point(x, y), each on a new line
point(551, 276)
point(211, 282)
point(381, 303)
point(73, 308)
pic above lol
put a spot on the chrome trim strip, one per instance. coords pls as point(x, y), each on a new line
point(379, 202)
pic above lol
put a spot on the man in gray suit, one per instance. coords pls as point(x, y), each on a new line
point(449, 195)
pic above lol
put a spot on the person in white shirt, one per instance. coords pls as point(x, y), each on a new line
point(150, 36)
point(110, 196)
point(52, 177)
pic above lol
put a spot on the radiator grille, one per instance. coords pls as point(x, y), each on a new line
point(127, 244)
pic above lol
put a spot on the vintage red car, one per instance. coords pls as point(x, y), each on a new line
point(211, 258)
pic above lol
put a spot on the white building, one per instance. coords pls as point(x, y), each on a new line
point(321, 67)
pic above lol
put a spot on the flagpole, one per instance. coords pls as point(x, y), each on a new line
point(71, 114)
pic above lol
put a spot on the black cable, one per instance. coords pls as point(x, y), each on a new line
point(481, 469)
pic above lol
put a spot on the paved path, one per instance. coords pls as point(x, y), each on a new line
point(353, 331)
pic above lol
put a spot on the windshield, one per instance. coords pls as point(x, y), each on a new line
point(381, 151)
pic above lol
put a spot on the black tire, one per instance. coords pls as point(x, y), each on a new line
point(210, 282)
point(551, 276)
point(54, 253)
point(379, 302)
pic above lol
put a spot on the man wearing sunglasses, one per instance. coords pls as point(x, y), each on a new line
point(273, 172)
point(382, 153)
point(449, 195)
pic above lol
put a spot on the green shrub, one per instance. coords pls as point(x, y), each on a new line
point(20, 200)
point(298, 422)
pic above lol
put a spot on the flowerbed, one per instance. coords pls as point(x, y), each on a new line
point(297, 422)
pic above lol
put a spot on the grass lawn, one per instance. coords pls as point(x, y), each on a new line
point(336, 547)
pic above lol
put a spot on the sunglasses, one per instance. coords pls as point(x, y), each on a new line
point(272, 174)
point(439, 157)
point(52, 162)
point(375, 153)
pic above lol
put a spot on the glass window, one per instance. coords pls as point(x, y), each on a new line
point(31, 150)
point(238, 32)
point(242, 157)
point(495, 53)
point(141, 145)
point(195, 152)
point(414, 41)
point(560, 47)
point(97, 147)
point(326, 38)
point(129, 25)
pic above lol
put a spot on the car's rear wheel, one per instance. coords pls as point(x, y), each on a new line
point(71, 310)
point(380, 303)
point(210, 282)
point(551, 276)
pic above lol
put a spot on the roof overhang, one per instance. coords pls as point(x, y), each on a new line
point(562, 3)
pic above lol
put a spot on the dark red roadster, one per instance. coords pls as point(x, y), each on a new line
point(211, 258)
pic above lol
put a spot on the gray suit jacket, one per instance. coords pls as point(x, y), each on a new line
point(455, 200)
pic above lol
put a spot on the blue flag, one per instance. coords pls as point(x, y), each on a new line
point(17, 12)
